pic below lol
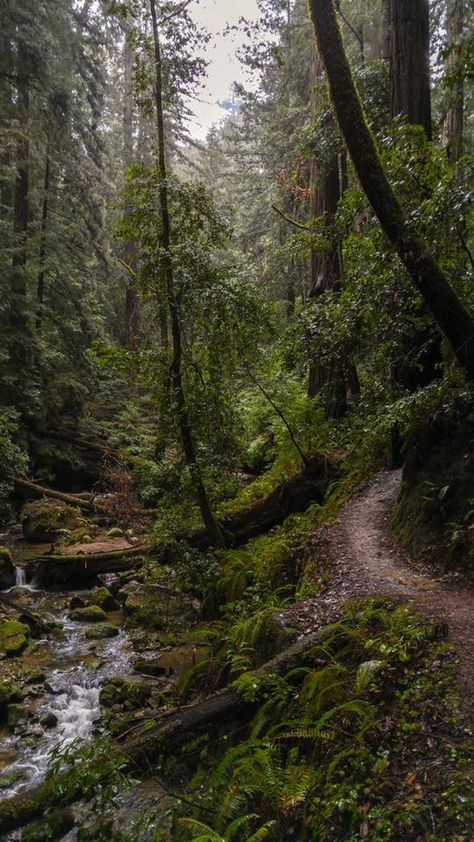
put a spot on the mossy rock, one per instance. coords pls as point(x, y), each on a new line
point(124, 691)
point(53, 827)
point(272, 637)
point(434, 517)
point(88, 614)
point(10, 779)
point(13, 637)
point(7, 569)
point(44, 520)
point(9, 694)
point(104, 599)
point(15, 712)
point(102, 631)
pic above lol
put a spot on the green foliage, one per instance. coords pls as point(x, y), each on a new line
point(13, 459)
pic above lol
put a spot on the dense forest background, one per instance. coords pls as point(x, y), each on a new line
point(212, 329)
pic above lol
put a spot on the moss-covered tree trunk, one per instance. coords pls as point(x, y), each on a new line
point(209, 519)
point(449, 312)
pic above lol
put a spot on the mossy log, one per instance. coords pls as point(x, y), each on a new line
point(89, 504)
point(173, 729)
point(70, 566)
point(83, 444)
point(293, 495)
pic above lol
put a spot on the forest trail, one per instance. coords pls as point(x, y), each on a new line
point(365, 558)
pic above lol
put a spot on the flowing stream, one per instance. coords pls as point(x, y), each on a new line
point(64, 703)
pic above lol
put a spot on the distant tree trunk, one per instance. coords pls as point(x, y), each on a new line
point(132, 305)
point(208, 516)
point(19, 321)
point(421, 359)
point(450, 314)
point(6, 64)
point(326, 271)
point(454, 125)
point(42, 249)
point(410, 62)
point(386, 29)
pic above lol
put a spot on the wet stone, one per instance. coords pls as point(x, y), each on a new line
point(49, 721)
point(89, 614)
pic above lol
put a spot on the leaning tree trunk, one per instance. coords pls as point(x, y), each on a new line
point(429, 279)
point(454, 125)
point(208, 517)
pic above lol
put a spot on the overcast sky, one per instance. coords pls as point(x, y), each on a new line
point(224, 67)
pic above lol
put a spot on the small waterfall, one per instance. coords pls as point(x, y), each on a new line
point(20, 577)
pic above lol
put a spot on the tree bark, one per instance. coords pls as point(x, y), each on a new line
point(449, 312)
point(454, 125)
point(132, 307)
point(410, 62)
point(326, 268)
point(42, 249)
point(210, 522)
point(19, 321)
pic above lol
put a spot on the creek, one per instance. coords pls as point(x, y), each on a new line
point(61, 678)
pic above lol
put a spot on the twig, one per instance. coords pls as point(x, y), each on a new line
point(278, 411)
point(290, 220)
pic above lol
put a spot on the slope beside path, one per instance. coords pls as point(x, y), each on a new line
point(366, 559)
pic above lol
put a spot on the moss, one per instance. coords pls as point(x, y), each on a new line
point(124, 691)
point(102, 631)
point(44, 520)
point(13, 637)
point(104, 599)
point(7, 569)
point(435, 509)
point(88, 614)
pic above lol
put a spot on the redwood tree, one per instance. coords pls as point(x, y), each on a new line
point(430, 280)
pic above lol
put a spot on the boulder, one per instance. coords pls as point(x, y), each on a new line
point(9, 779)
point(102, 631)
point(7, 569)
point(13, 637)
point(15, 713)
point(50, 720)
point(124, 691)
point(44, 520)
point(88, 614)
point(104, 599)
point(76, 602)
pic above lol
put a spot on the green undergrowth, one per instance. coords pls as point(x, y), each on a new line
point(368, 742)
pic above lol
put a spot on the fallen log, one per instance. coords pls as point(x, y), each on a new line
point(142, 750)
point(68, 566)
point(89, 505)
point(293, 495)
point(84, 444)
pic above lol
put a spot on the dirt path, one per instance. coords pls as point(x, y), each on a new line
point(366, 559)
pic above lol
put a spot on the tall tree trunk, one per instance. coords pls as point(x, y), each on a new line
point(208, 517)
point(410, 62)
point(19, 321)
point(42, 249)
point(450, 314)
point(326, 271)
point(421, 359)
point(6, 107)
point(454, 125)
point(132, 306)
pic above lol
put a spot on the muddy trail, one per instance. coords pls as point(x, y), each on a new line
point(366, 559)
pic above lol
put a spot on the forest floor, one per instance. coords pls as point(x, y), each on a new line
point(365, 559)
